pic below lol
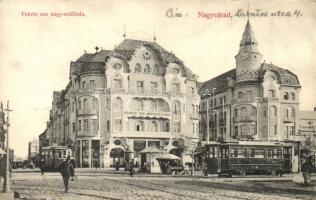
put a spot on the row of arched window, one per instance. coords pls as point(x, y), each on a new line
point(147, 69)
point(244, 111)
point(86, 104)
point(153, 126)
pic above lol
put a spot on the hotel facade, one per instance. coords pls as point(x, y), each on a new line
point(120, 102)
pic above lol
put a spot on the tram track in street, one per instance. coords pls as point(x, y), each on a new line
point(146, 186)
point(57, 193)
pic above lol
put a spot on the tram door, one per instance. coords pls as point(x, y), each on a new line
point(224, 157)
point(287, 153)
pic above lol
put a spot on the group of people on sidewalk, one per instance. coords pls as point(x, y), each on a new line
point(67, 170)
point(131, 167)
point(307, 168)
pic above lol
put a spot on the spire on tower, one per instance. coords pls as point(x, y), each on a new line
point(155, 38)
point(124, 34)
point(248, 59)
point(248, 41)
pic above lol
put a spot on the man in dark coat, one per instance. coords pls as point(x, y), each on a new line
point(307, 169)
point(131, 168)
point(65, 168)
point(42, 166)
point(72, 172)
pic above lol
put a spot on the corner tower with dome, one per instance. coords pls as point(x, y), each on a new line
point(254, 101)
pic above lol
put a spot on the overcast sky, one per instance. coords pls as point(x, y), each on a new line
point(36, 52)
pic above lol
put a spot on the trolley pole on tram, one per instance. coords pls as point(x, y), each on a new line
point(6, 185)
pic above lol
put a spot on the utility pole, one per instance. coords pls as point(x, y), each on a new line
point(6, 185)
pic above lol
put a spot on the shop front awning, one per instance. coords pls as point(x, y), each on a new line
point(151, 149)
point(167, 157)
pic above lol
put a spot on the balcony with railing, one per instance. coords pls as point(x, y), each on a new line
point(88, 91)
point(245, 119)
point(142, 134)
point(88, 112)
point(89, 133)
point(220, 139)
point(212, 124)
point(222, 122)
point(144, 93)
point(195, 116)
point(243, 100)
point(288, 119)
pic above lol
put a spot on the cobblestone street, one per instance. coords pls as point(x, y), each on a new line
point(109, 185)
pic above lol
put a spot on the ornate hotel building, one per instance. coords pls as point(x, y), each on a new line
point(119, 102)
point(255, 101)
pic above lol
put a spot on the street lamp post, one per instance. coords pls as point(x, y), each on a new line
point(6, 185)
point(207, 119)
point(213, 110)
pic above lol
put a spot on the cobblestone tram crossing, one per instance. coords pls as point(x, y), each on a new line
point(101, 184)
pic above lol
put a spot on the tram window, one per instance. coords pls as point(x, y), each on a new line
point(257, 153)
point(207, 154)
point(212, 152)
point(287, 153)
point(270, 153)
point(224, 153)
point(233, 153)
point(242, 153)
point(59, 154)
point(279, 153)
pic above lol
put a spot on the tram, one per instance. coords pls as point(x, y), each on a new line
point(54, 155)
point(241, 158)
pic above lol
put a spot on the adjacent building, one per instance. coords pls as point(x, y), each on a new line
point(32, 150)
point(123, 101)
point(307, 130)
point(255, 101)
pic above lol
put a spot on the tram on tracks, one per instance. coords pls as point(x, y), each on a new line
point(54, 155)
point(241, 158)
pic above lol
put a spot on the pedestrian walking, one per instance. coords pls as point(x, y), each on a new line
point(96, 165)
point(125, 165)
point(42, 166)
point(72, 172)
point(307, 169)
point(65, 169)
point(131, 168)
point(117, 165)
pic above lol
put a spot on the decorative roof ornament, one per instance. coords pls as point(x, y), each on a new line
point(124, 34)
point(155, 38)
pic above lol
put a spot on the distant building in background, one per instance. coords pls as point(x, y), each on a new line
point(11, 154)
point(32, 149)
point(307, 130)
point(43, 141)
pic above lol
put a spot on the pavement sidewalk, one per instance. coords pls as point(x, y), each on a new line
point(7, 196)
